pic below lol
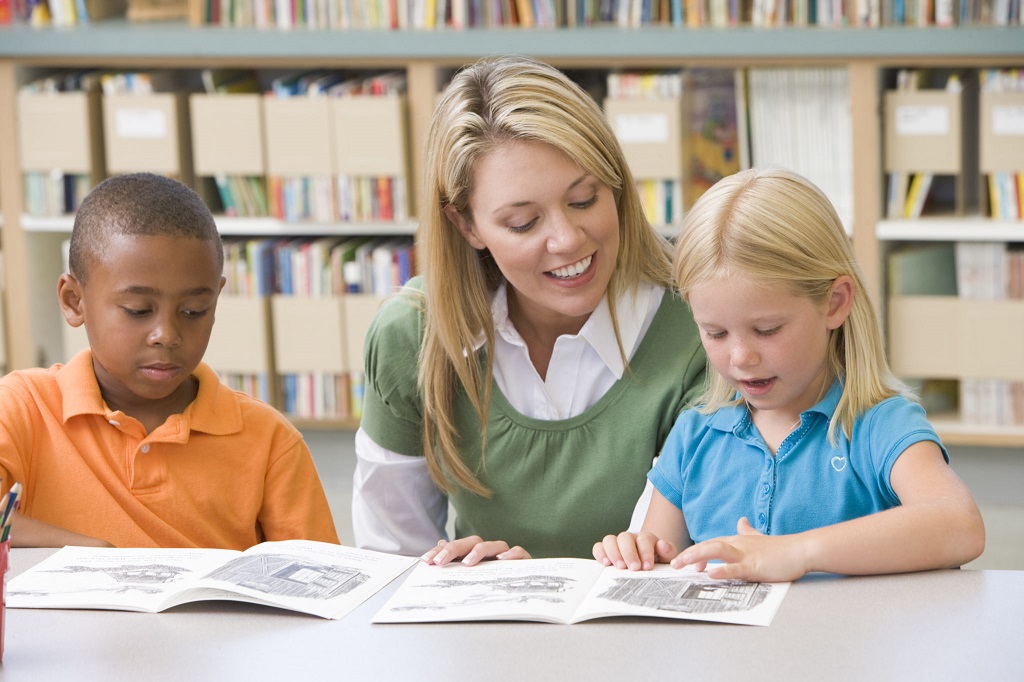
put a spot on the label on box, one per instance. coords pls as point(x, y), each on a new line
point(922, 120)
point(141, 123)
point(643, 128)
point(1008, 120)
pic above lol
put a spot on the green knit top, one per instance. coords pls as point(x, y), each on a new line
point(557, 486)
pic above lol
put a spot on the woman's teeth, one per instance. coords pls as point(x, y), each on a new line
point(574, 269)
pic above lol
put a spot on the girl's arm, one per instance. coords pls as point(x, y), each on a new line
point(663, 532)
point(937, 525)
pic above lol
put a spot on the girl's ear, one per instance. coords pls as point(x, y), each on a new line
point(465, 227)
point(69, 296)
point(840, 301)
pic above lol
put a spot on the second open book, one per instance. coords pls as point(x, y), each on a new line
point(574, 590)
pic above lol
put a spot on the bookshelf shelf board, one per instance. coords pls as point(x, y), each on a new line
point(953, 431)
point(251, 227)
point(272, 227)
point(951, 229)
point(60, 223)
point(176, 39)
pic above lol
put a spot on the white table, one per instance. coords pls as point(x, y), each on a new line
point(939, 625)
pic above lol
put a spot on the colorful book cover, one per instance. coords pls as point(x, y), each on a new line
point(714, 130)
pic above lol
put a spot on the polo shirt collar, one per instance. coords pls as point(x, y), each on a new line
point(598, 331)
point(79, 390)
point(215, 409)
point(735, 417)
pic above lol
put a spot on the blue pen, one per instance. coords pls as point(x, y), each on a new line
point(12, 501)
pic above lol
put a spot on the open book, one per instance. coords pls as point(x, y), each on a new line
point(574, 590)
point(317, 578)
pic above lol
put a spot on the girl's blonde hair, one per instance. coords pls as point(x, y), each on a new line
point(488, 104)
point(776, 227)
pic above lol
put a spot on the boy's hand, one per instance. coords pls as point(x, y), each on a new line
point(635, 551)
point(748, 555)
point(473, 550)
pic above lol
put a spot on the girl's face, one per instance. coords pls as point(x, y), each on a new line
point(552, 229)
point(768, 343)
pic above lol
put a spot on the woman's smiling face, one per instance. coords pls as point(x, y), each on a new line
point(551, 228)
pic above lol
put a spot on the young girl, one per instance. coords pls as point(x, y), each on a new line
point(806, 453)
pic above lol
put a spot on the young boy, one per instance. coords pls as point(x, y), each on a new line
point(135, 442)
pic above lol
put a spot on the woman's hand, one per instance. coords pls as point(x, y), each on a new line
point(635, 551)
point(472, 550)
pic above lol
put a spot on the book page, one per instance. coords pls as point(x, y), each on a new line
point(311, 577)
point(547, 590)
point(683, 593)
point(106, 578)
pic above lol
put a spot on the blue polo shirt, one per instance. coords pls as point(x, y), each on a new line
point(717, 467)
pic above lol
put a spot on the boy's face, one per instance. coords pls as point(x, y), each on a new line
point(148, 305)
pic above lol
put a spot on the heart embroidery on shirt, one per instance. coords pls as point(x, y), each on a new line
point(838, 463)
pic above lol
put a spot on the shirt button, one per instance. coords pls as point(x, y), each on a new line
point(767, 489)
point(145, 448)
point(760, 519)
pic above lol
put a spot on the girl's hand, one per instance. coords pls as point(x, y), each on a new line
point(635, 551)
point(748, 555)
point(472, 550)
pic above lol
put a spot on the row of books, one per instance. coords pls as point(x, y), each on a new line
point(55, 192)
point(960, 361)
point(58, 12)
point(909, 189)
point(681, 131)
point(948, 134)
point(990, 271)
point(321, 198)
point(1006, 187)
point(323, 268)
point(799, 118)
point(646, 111)
point(461, 14)
point(251, 161)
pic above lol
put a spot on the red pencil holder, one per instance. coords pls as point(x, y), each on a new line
point(5, 555)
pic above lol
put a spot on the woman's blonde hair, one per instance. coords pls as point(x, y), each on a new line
point(488, 104)
point(776, 227)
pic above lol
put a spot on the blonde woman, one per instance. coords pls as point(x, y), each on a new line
point(531, 375)
point(806, 453)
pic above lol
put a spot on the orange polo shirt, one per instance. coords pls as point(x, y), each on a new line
point(229, 472)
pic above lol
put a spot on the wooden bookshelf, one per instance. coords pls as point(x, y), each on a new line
point(426, 56)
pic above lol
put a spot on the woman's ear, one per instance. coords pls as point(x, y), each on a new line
point(840, 301)
point(465, 227)
point(69, 296)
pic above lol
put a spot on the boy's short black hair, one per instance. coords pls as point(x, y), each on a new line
point(143, 204)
